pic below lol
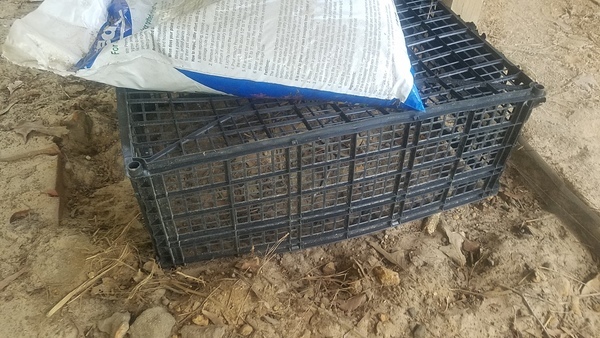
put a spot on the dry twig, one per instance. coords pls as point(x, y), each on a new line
point(529, 308)
point(7, 108)
point(271, 252)
point(6, 281)
point(51, 150)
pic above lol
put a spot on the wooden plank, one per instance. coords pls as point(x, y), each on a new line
point(469, 10)
point(557, 195)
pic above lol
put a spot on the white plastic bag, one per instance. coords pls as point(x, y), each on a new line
point(335, 50)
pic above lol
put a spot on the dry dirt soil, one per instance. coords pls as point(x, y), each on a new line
point(521, 273)
point(558, 44)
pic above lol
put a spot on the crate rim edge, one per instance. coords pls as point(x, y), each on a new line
point(137, 167)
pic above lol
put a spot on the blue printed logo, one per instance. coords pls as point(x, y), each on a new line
point(117, 26)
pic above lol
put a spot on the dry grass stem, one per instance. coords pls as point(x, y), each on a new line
point(87, 284)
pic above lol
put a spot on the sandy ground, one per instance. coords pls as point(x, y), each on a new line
point(525, 275)
point(558, 44)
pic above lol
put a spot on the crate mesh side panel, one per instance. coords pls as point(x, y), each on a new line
point(334, 188)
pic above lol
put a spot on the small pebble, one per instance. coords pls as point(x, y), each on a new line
point(152, 323)
point(412, 312)
point(419, 331)
point(200, 320)
point(386, 276)
point(329, 269)
point(383, 317)
point(88, 157)
point(246, 330)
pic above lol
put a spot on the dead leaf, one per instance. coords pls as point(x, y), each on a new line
point(453, 250)
point(6, 281)
point(19, 215)
point(12, 87)
point(352, 303)
point(396, 258)
point(592, 286)
point(51, 192)
point(26, 128)
point(214, 318)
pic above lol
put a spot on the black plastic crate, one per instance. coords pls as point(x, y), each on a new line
point(220, 175)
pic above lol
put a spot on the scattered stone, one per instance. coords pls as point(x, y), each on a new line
point(155, 322)
point(552, 322)
point(165, 301)
point(592, 286)
point(246, 330)
point(537, 276)
point(139, 276)
point(355, 287)
point(200, 320)
point(116, 325)
point(156, 296)
point(412, 312)
point(352, 303)
point(150, 266)
point(270, 320)
point(383, 317)
point(193, 331)
point(430, 223)
point(419, 331)
point(386, 276)
point(563, 287)
point(329, 269)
